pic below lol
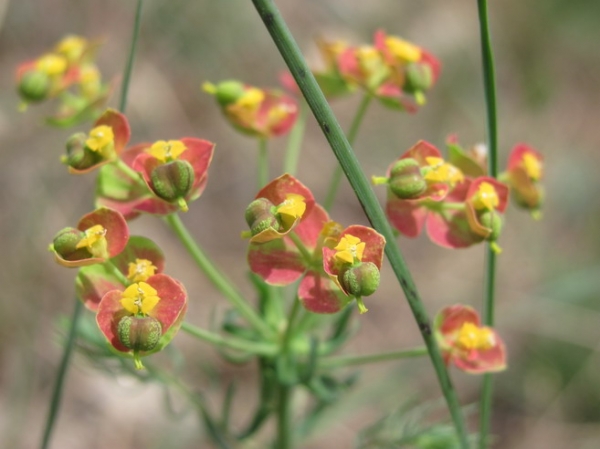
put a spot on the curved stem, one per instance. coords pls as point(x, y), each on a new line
point(263, 163)
point(292, 152)
point(353, 360)
point(230, 342)
point(131, 56)
point(306, 254)
point(487, 58)
point(338, 173)
point(218, 279)
point(296, 63)
point(61, 375)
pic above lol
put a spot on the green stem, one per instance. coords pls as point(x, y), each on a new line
point(117, 273)
point(131, 56)
point(284, 435)
point(337, 174)
point(230, 342)
point(360, 184)
point(292, 152)
point(306, 254)
point(487, 58)
point(263, 163)
point(353, 360)
point(61, 375)
point(218, 279)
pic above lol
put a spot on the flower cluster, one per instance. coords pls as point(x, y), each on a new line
point(292, 238)
point(67, 72)
point(393, 70)
point(454, 200)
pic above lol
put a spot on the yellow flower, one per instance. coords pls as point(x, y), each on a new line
point(293, 207)
point(72, 47)
point(533, 166)
point(251, 99)
point(52, 64)
point(402, 49)
point(100, 138)
point(94, 240)
point(140, 270)
point(349, 249)
point(486, 197)
point(167, 151)
point(471, 337)
point(443, 172)
point(139, 298)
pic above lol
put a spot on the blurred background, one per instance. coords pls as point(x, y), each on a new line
point(548, 73)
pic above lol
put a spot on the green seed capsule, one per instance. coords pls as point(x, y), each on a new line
point(360, 280)
point(172, 180)
point(139, 333)
point(406, 180)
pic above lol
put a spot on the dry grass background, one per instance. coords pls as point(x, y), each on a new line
point(548, 67)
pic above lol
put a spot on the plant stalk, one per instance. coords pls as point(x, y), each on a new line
point(354, 360)
point(131, 56)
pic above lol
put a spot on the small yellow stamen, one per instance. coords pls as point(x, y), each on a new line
point(99, 138)
point(402, 49)
point(533, 166)
point(167, 151)
point(139, 298)
point(140, 270)
point(350, 249)
point(486, 197)
point(92, 236)
point(52, 64)
point(471, 337)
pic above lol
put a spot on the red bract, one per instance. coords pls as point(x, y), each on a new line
point(99, 235)
point(463, 341)
point(525, 171)
point(140, 259)
point(169, 311)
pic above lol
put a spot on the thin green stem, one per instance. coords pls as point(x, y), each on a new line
point(360, 184)
point(61, 375)
point(263, 163)
point(306, 254)
point(487, 58)
point(258, 348)
point(294, 145)
point(131, 56)
point(284, 436)
point(218, 279)
point(353, 360)
point(352, 133)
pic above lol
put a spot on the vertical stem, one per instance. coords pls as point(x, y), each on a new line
point(338, 173)
point(290, 52)
point(292, 152)
point(283, 417)
point(263, 163)
point(61, 375)
point(131, 56)
point(487, 58)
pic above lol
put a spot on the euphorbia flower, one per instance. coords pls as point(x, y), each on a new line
point(463, 341)
point(174, 173)
point(524, 175)
point(140, 260)
point(258, 112)
point(104, 143)
point(424, 190)
point(486, 201)
point(144, 317)
point(99, 235)
point(277, 209)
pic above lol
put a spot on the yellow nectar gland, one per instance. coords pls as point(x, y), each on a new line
point(293, 207)
point(472, 337)
point(167, 151)
point(72, 47)
point(486, 197)
point(140, 270)
point(443, 172)
point(533, 166)
point(94, 240)
point(402, 49)
point(350, 249)
point(251, 99)
point(52, 64)
point(139, 298)
point(100, 138)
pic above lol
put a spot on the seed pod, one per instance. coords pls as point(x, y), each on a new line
point(78, 156)
point(360, 280)
point(65, 244)
point(34, 86)
point(406, 180)
point(493, 221)
point(419, 77)
point(229, 92)
point(139, 333)
point(260, 216)
point(172, 180)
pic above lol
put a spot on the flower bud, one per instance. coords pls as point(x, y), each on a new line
point(419, 77)
point(139, 333)
point(406, 180)
point(34, 86)
point(172, 180)
point(260, 216)
point(229, 92)
point(78, 156)
point(492, 220)
point(360, 280)
point(65, 244)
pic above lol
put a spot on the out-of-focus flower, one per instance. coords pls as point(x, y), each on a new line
point(524, 175)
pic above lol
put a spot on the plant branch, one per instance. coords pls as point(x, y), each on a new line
point(353, 360)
